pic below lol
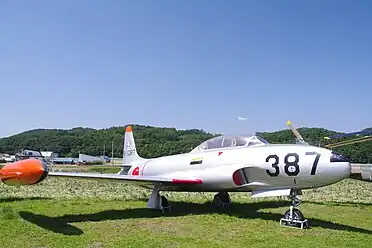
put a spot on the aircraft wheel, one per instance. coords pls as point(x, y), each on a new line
point(296, 215)
point(221, 200)
point(165, 204)
point(217, 201)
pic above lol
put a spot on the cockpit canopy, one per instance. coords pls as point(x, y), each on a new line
point(229, 141)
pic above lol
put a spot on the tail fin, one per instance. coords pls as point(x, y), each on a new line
point(130, 154)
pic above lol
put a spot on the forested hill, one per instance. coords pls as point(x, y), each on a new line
point(150, 141)
point(153, 141)
point(357, 153)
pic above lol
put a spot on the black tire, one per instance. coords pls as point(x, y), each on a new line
point(164, 202)
point(225, 197)
point(296, 215)
point(217, 201)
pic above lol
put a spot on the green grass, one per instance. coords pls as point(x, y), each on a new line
point(63, 212)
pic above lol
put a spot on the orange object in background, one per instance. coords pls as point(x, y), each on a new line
point(24, 172)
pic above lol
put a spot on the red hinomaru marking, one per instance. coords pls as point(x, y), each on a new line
point(135, 172)
point(187, 181)
point(237, 178)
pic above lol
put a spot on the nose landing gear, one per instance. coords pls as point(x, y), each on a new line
point(293, 217)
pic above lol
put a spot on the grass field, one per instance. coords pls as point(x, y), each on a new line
point(84, 213)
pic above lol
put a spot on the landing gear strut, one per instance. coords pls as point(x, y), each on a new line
point(293, 217)
point(158, 202)
point(222, 200)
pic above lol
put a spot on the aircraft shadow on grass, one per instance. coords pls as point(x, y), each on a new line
point(14, 199)
point(247, 210)
point(337, 203)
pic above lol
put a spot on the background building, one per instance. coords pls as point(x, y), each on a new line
point(84, 158)
point(64, 160)
point(26, 153)
point(5, 158)
point(49, 155)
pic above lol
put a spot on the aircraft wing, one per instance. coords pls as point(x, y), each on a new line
point(127, 178)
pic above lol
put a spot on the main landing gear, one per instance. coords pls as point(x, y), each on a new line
point(293, 217)
point(222, 200)
point(158, 202)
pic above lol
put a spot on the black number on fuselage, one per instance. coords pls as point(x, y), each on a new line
point(291, 168)
point(315, 164)
point(274, 165)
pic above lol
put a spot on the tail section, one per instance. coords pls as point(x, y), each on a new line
point(130, 154)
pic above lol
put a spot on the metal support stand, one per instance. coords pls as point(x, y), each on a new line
point(302, 224)
point(293, 217)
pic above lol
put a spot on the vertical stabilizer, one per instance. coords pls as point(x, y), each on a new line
point(130, 154)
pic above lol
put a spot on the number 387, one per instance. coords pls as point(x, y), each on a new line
point(291, 167)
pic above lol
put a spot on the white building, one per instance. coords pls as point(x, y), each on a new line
point(7, 158)
point(26, 153)
point(49, 154)
point(84, 158)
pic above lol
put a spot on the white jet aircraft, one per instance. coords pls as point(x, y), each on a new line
point(222, 164)
point(231, 164)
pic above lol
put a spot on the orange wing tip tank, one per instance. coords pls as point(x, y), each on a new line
point(24, 172)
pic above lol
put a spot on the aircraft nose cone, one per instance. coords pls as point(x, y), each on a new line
point(347, 169)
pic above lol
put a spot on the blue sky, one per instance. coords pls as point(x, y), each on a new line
point(186, 64)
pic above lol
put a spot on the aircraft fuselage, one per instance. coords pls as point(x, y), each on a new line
point(249, 168)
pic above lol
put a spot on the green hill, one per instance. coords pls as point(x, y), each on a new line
point(153, 141)
point(150, 141)
point(357, 153)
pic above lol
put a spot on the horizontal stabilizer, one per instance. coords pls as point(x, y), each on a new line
point(271, 192)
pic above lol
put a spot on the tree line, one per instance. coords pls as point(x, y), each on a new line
point(154, 141)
